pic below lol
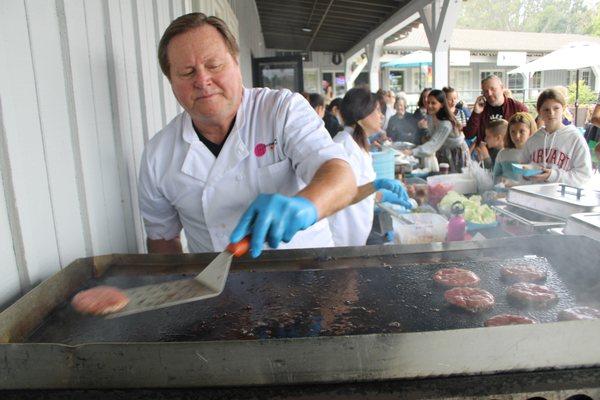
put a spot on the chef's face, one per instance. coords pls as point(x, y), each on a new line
point(372, 124)
point(205, 77)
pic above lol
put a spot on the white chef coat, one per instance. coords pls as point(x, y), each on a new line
point(276, 145)
point(351, 225)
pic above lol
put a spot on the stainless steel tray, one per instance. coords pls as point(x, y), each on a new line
point(555, 199)
point(585, 224)
point(538, 221)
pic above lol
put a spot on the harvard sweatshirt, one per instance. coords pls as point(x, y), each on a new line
point(565, 152)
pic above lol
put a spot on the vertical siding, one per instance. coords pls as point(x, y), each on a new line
point(80, 95)
point(250, 37)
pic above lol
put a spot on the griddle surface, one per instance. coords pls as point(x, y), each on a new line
point(287, 304)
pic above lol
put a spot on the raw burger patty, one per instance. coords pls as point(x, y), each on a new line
point(523, 273)
point(575, 313)
point(531, 294)
point(99, 300)
point(455, 277)
point(508, 319)
point(470, 299)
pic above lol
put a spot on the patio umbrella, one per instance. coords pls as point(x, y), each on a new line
point(414, 59)
point(573, 56)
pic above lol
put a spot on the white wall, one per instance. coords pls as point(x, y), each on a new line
point(80, 94)
point(250, 36)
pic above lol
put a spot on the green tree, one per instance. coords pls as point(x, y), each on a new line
point(594, 26)
point(586, 94)
point(558, 16)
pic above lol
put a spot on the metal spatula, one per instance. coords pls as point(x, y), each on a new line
point(208, 283)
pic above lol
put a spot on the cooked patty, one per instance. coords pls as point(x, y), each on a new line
point(523, 273)
point(471, 299)
point(530, 294)
point(100, 300)
point(508, 319)
point(452, 277)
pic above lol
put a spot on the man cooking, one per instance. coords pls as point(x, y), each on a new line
point(237, 160)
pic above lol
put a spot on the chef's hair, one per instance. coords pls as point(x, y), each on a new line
point(550, 94)
point(186, 23)
point(358, 103)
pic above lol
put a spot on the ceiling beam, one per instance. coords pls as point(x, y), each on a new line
point(316, 31)
point(271, 4)
point(283, 14)
point(390, 5)
point(322, 35)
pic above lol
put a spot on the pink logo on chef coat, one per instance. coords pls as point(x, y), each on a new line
point(261, 148)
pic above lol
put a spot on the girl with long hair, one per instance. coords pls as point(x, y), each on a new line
point(559, 149)
point(447, 141)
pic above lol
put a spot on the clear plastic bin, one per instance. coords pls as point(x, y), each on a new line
point(425, 228)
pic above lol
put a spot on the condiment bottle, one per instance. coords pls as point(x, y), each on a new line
point(457, 225)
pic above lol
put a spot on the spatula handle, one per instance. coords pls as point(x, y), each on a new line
point(240, 248)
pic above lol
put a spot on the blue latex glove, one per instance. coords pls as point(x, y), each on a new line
point(392, 185)
point(391, 197)
point(273, 218)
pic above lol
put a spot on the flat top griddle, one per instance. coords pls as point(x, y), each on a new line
point(289, 304)
point(303, 316)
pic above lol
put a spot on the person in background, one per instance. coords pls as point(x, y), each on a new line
point(495, 136)
point(237, 161)
point(539, 121)
point(465, 108)
point(491, 105)
point(387, 108)
point(567, 115)
point(595, 120)
point(421, 111)
point(351, 226)
point(520, 127)
point(459, 114)
point(328, 93)
point(390, 111)
point(447, 141)
point(596, 113)
point(559, 149)
point(403, 126)
point(317, 102)
point(333, 117)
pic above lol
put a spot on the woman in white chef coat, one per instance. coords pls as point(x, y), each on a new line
point(362, 117)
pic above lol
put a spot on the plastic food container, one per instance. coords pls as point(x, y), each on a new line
point(419, 228)
point(525, 170)
point(383, 164)
point(460, 183)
